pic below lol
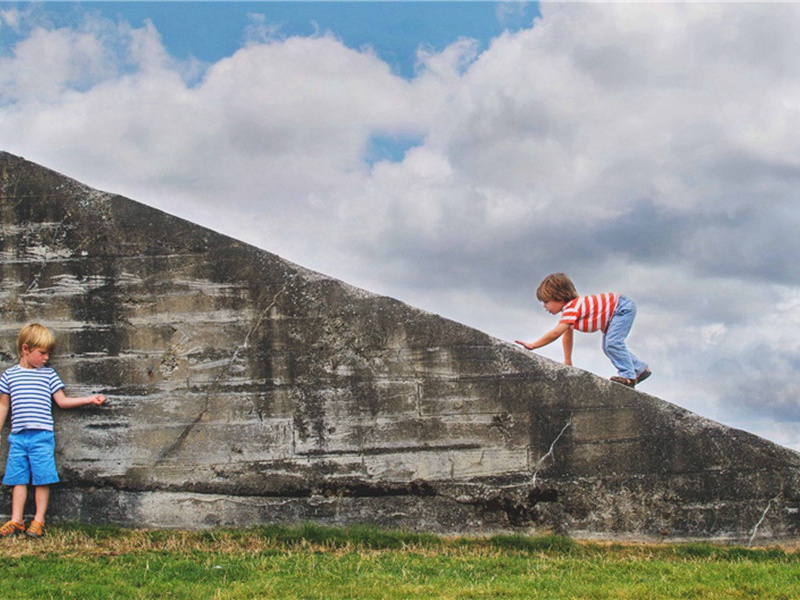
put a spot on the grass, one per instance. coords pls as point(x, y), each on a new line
point(316, 562)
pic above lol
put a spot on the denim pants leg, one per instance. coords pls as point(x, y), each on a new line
point(627, 364)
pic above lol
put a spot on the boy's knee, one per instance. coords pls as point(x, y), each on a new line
point(613, 346)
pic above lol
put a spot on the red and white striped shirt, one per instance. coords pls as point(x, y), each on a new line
point(590, 313)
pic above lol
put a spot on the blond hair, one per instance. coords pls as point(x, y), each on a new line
point(557, 287)
point(35, 336)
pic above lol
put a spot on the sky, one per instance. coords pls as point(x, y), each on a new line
point(453, 154)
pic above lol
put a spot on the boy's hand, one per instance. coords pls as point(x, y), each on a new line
point(97, 399)
point(525, 345)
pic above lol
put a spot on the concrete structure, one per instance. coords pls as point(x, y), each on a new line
point(246, 389)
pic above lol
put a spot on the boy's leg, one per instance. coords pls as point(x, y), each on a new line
point(638, 366)
point(19, 495)
point(42, 497)
point(43, 460)
point(18, 474)
point(44, 473)
point(614, 345)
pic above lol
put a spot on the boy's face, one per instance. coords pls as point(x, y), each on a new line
point(34, 358)
point(554, 306)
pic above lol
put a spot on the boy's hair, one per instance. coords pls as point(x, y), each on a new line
point(557, 287)
point(35, 336)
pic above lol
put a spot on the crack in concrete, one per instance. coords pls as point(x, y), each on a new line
point(761, 520)
point(550, 452)
point(222, 373)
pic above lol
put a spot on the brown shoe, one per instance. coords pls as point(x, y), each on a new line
point(627, 382)
point(11, 528)
point(643, 375)
point(35, 529)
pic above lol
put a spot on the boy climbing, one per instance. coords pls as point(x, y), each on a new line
point(610, 313)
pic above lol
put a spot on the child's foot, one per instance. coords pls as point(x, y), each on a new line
point(12, 528)
point(643, 375)
point(35, 529)
point(624, 381)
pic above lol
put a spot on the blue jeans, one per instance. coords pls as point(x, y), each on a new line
point(628, 366)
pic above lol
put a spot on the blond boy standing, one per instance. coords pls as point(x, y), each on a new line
point(28, 391)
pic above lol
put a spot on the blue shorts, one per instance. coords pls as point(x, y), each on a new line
point(31, 458)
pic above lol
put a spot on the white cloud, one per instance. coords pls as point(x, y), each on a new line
point(645, 148)
point(64, 60)
point(9, 18)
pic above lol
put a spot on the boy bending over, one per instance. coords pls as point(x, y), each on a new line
point(610, 313)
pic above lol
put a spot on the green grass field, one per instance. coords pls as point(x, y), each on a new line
point(316, 562)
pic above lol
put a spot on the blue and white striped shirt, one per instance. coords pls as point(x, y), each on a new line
point(31, 392)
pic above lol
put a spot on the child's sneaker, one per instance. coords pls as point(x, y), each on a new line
point(12, 528)
point(627, 382)
point(35, 529)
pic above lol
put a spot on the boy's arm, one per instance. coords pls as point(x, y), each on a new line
point(567, 343)
point(65, 402)
point(5, 403)
point(547, 338)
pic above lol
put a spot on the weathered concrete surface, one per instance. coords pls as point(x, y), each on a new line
point(245, 389)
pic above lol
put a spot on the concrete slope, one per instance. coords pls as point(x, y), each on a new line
point(246, 389)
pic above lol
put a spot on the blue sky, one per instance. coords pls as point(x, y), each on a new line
point(211, 30)
point(452, 154)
